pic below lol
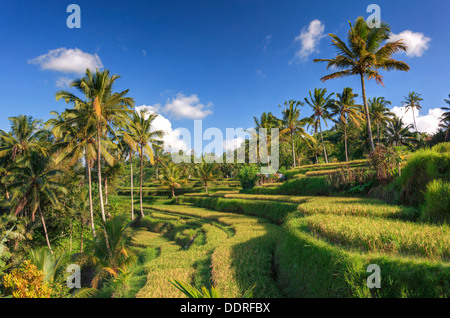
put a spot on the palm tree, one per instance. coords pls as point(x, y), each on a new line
point(102, 109)
point(364, 55)
point(293, 125)
point(24, 137)
point(159, 157)
point(111, 251)
point(379, 113)
point(445, 118)
point(398, 134)
point(206, 172)
point(74, 142)
point(33, 183)
point(266, 123)
point(411, 102)
point(141, 136)
point(347, 111)
point(320, 105)
point(172, 177)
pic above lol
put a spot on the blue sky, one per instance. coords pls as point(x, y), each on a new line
point(228, 60)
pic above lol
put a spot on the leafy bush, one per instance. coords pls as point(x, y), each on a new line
point(442, 147)
point(26, 282)
point(437, 201)
point(248, 175)
point(422, 167)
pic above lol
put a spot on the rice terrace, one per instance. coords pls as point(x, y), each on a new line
point(337, 187)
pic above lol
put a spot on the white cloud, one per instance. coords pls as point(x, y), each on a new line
point(309, 39)
point(187, 107)
point(416, 42)
point(171, 138)
point(68, 61)
point(428, 123)
point(63, 82)
point(267, 41)
point(261, 73)
point(232, 144)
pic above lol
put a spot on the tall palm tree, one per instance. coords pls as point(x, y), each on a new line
point(266, 122)
point(445, 118)
point(347, 111)
point(102, 109)
point(172, 177)
point(74, 142)
point(367, 51)
point(412, 102)
point(140, 134)
point(24, 137)
point(206, 172)
point(33, 183)
point(321, 104)
point(293, 125)
point(380, 113)
point(398, 133)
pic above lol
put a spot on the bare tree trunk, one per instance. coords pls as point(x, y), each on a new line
point(378, 133)
point(99, 173)
point(71, 234)
point(91, 208)
point(81, 237)
point(6, 192)
point(414, 117)
point(45, 229)
point(132, 191)
point(106, 190)
point(173, 192)
point(293, 150)
point(323, 144)
point(140, 184)
point(345, 143)
point(206, 186)
point(366, 110)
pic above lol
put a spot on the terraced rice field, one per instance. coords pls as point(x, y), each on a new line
point(292, 247)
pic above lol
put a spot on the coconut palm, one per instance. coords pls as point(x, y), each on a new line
point(24, 137)
point(100, 109)
point(172, 177)
point(320, 104)
point(292, 125)
point(412, 102)
point(140, 135)
point(380, 113)
point(367, 51)
point(206, 172)
point(265, 123)
point(445, 118)
point(111, 251)
point(74, 142)
point(399, 134)
point(347, 111)
point(33, 184)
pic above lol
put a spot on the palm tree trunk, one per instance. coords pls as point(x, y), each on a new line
point(173, 192)
point(45, 229)
point(414, 117)
point(71, 235)
point(91, 208)
point(378, 134)
point(81, 237)
point(131, 183)
point(156, 171)
point(6, 192)
point(99, 174)
point(106, 191)
point(293, 149)
point(345, 143)
point(366, 110)
point(140, 184)
point(206, 186)
point(323, 144)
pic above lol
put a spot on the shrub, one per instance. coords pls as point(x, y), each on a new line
point(248, 175)
point(442, 147)
point(437, 201)
point(421, 168)
point(26, 282)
